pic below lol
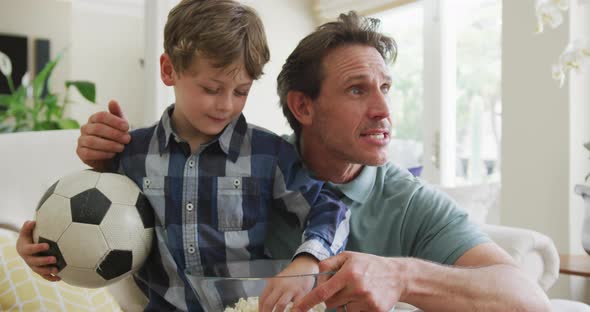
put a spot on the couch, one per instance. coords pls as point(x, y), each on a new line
point(32, 161)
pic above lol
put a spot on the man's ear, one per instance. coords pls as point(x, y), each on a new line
point(167, 73)
point(300, 106)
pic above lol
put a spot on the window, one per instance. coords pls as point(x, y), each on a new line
point(478, 90)
point(446, 99)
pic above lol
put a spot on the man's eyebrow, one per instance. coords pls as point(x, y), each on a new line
point(355, 78)
point(387, 77)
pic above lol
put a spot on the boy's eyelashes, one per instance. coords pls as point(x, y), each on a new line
point(211, 90)
point(215, 91)
point(241, 93)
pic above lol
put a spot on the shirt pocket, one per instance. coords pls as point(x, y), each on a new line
point(238, 203)
point(155, 189)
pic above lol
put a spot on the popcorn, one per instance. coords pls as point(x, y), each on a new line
point(251, 305)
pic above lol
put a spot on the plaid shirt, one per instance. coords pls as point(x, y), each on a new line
point(212, 207)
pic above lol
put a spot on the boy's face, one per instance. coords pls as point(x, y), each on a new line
point(207, 98)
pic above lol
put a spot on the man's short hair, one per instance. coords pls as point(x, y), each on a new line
point(222, 30)
point(303, 69)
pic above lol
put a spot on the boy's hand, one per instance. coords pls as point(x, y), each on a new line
point(281, 291)
point(27, 250)
point(102, 137)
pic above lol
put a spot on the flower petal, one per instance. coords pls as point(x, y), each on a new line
point(5, 65)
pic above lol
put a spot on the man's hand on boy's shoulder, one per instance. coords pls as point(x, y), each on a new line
point(102, 137)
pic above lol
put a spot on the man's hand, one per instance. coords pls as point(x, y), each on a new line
point(102, 137)
point(27, 250)
point(363, 282)
point(279, 292)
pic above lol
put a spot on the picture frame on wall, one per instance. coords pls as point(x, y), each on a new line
point(16, 48)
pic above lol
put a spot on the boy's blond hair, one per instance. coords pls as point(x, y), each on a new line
point(222, 30)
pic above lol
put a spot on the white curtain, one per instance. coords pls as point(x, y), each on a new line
point(326, 10)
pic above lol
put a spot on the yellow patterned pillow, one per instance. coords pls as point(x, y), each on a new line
point(23, 290)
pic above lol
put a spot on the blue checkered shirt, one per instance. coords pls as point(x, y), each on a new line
point(212, 207)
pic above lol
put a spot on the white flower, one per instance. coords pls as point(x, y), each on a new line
point(26, 80)
point(5, 65)
point(549, 12)
point(562, 4)
point(575, 56)
point(558, 74)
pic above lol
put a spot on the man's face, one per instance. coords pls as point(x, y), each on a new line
point(351, 115)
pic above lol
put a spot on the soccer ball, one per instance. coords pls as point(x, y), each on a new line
point(99, 226)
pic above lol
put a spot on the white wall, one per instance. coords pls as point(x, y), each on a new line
point(41, 20)
point(543, 128)
point(107, 46)
point(103, 43)
point(579, 91)
point(286, 23)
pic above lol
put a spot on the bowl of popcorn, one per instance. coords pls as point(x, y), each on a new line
point(237, 286)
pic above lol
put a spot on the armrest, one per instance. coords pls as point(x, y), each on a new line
point(534, 252)
point(128, 295)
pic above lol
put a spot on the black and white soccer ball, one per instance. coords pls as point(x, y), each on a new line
point(99, 226)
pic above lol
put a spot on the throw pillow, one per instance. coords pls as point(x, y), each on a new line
point(21, 289)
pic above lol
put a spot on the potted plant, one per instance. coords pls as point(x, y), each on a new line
point(584, 191)
point(31, 107)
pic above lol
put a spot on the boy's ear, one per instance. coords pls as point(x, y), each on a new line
point(167, 73)
point(300, 106)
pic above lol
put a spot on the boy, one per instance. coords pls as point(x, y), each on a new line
point(211, 178)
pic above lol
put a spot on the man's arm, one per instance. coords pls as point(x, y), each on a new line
point(485, 278)
point(103, 137)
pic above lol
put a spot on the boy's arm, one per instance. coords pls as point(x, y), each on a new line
point(323, 216)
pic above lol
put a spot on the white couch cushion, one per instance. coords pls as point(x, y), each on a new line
point(477, 200)
point(31, 163)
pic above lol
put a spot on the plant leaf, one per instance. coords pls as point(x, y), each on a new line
point(68, 123)
point(46, 125)
point(43, 76)
point(86, 88)
point(4, 100)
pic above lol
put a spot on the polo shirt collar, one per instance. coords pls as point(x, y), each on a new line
point(359, 189)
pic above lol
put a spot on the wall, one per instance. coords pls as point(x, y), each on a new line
point(537, 150)
point(107, 46)
point(579, 91)
point(286, 22)
point(41, 20)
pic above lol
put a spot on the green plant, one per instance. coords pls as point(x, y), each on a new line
point(30, 108)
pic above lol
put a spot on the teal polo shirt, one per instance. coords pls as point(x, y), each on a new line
point(393, 214)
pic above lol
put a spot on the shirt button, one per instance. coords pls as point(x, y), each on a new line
point(237, 183)
point(191, 163)
point(147, 183)
point(189, 206)
point(191, 250)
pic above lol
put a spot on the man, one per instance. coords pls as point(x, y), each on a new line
point(410, 242)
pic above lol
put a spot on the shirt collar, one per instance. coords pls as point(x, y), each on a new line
point(230, 140)
point(359, 188)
